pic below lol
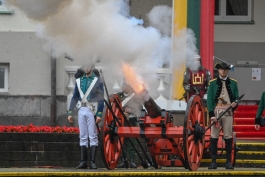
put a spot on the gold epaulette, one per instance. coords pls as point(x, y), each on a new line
point(212, 80)
point(233, 79)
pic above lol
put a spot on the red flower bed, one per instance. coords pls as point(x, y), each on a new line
point(32, 128)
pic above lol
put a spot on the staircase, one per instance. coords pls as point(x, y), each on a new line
point(250, 142)
point(251, 154)
point(244, 119)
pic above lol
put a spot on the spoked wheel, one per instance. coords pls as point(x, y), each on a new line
point(193, 133)
point(111, 143)
point(234, 150)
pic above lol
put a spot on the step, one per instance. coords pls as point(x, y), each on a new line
point(245, 110)
point(251, 145)
point(257, 135)
point(244, 121)
point(247, 155)
point(247, 128)
point(247, 107)
point(250, 138)
point(239, 162)
point(251, 153)
point(256, 155)
point(247, 114)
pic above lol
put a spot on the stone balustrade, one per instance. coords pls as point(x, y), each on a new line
point(158, 85)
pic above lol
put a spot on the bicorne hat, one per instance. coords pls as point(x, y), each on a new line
point(222, 65)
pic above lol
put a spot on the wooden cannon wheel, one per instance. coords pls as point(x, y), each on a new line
point(193, 133)
point(111, 143)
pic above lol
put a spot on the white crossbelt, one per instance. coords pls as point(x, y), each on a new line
point(91, 105)
point(127, 99)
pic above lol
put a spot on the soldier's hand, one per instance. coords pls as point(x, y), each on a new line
point(205, 96)
point(213, 119)
point(187, 87)
point(126, 114)
point(70, 119)
point(233, 104)
point(128, 110)
point(98, 120)
point(257, 126)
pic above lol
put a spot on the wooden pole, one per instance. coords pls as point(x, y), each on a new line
point(53, 91)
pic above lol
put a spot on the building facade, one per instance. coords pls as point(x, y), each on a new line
point(27, 72)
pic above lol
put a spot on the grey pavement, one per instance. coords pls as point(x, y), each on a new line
point(165, 171)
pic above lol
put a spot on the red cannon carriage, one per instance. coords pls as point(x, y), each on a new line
point(188, 142)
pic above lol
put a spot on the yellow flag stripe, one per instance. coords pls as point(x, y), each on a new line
point(179, 23)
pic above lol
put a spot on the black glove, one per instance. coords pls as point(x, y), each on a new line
point(260, 121)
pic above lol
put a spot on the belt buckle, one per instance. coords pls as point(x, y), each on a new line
point(83, 104)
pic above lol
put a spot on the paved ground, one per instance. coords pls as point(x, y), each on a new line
point(166, 171)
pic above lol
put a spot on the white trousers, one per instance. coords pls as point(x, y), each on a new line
point(87, 127)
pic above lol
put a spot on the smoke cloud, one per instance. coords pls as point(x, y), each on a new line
point(104, 30)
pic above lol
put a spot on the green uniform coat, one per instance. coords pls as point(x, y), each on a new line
point(214, 91)
point(261, 107)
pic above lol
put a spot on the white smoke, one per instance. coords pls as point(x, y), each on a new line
point(105, 30)
point(160, 17)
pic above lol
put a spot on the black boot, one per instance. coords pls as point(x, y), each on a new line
point(121, 165)
point(93, 151)
point(213, 149)
point(132, 163)
point(83, 164)
point(228, 149)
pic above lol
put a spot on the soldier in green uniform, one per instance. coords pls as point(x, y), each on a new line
point(259, 114)
point(222, 93)
point(260, 111)
point(132, 106)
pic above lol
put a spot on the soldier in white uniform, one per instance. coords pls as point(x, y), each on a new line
point(90, 107)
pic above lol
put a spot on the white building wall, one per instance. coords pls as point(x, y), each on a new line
point(243, 32)
point(29, 64)
point(16, 22)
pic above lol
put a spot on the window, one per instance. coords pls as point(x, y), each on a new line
point(3, 78)
point(4, 9)
point(233, 10)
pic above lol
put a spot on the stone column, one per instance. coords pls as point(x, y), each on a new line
point(70, 70)
point(161, 88)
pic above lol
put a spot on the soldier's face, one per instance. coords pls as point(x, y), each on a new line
point(88, 69)
point(223, 72)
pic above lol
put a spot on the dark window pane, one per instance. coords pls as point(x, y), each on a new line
point(217, 7)
point(237, 7)
point(2, 78)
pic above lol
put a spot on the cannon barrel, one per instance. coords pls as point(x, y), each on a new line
point(150, 105)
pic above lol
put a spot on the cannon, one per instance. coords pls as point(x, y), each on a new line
point(189, 142)
point(156, 128)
